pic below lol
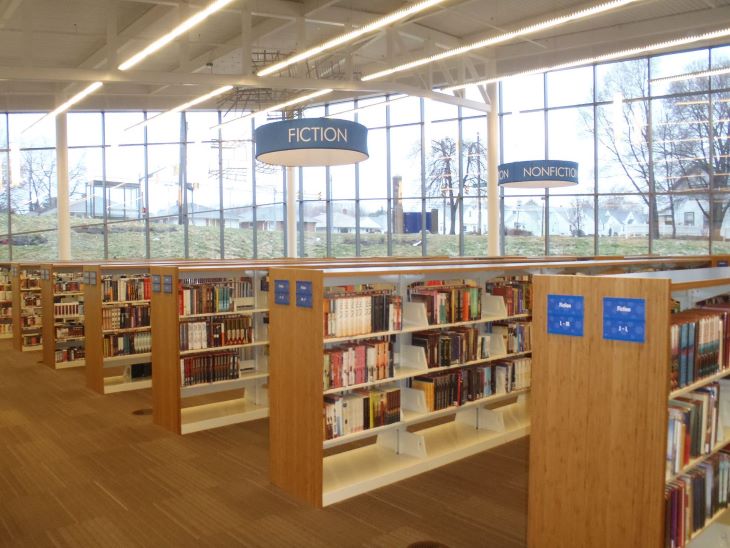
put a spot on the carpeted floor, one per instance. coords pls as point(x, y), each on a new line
point(80, 469)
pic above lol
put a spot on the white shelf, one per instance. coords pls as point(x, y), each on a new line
point(213, 349)
point(79, 317)
point(68, 294)
point(127, 359)
point(32, 348)
point(70, 339)
point(30, 289)
point(203, 388)
point(6, 336)
point(119, 383)
point(366, 468)
point(246, 312)
point(709, 522)
point(126, 303)
point(69, 365)
point(126, 330)
point(214, 415)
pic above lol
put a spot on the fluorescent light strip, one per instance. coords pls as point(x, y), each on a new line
point(80, 96)
point(280, 106)
point(633, 52)
point(184, 106)
point(692, 75)
point(530, 29)
point(182, 28)
point(350, 36)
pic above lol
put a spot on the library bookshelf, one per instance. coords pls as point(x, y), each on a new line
point(62, 298)
point(6, 301)
point(213, 371)
point(118, 327)
point(600, 411)
point(27, 309)
point(323, 470)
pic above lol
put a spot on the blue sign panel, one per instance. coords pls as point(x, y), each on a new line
point(538, 173)
point(304, 294)
point(624, 319)
point(281, 292)
point(311, 142)
point(565, 315)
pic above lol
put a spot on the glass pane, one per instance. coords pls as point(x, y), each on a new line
point(443, 186)
point(406, 110)
point(623, 225)
point(374, 217)
point(683, 224)
point(681, 143)
point(374, 170)
point(34, 199)
point(84, 128)
point(4, 248)
point(342, 110)
point(314, 183)
point(571, 222)
point(27, 130)
point(675, 64)
point(164, 180)
point(204, 235)
point(570, 87)
point(721, 224)
point(199, 124)
point(313, 112)
point(721, 139)
point(202, 177)
point(167, 238)
point(405, 159)
point(344, 228)
point(87, 243)
point(85, 168)
point(270, 235)
point(522, 93)
point(523, 139)
point(623, 150)
point(474, 162)
point(475, 226)
point(124, 128)
point(164, 129)
point(236, 175)
point(371, 112)
point(3, 130)
point(407, 240)
point(125, 184)
point(443, 226)
point(524, 225)
point(438, 110)
point(238, 232)
point(36, 246)
point(570, 137)
point(342, 179)
point(313, 221)
point(629, 79)
point(126, 240)
point(270, 184)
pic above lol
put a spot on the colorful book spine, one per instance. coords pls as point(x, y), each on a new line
point(360, 410)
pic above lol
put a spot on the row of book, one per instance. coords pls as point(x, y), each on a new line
point(32, 339)
point(30, 283)
point(697, 338)
point(453, 346)
point(360, 410)
point(125, 317)
point(694, 498)
point(209, 368)
point(30, 299)
point(215, 332)
point(361, 312)
point(517, 336)
point(137, 288)
point(69, 354)
point(197, 296)
point(694, 426)
point(357, 363)
point(516, 292)
point(455, 388)
point(71, 308)
point(66, 331)
point(6, 295)
point(6, 328)
point(138, 371)
point(448, 301)
point(67, 286)
point(121, 344)
point(32, 320)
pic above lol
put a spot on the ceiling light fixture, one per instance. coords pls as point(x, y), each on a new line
point(384, 21)
point(622, 54)
point(494, 40)
point(280, 106)
point(692, 75)
point(184, 106)
point(80, 96)
point(182, 28)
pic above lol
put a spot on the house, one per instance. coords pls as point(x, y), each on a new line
point(271, 217)
point(345, 223)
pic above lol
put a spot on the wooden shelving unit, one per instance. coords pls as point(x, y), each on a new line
point(203, 402)
point(6, 301)
point(27, 309)
point(62, 297)
point(117, 302)
point(599, 409)
point(305, 464)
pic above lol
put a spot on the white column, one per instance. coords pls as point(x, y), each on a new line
point(492, 167)
point(291, 212)
point(64, 220)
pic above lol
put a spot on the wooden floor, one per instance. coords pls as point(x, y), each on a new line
point(80, 469)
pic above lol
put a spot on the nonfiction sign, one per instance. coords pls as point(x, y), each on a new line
point(311, 142)
point(538, 174)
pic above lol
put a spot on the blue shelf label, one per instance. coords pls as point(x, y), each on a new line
point(624, 319)
point(304, 300)
point(565, 315)
point(281, 292)
point(281, 298)
point(281, 286)
point(304, 288)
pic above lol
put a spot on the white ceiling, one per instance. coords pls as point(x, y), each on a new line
point(50, 49)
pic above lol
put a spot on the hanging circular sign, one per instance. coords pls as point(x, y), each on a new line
point(538, 174)
point(311, 142)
